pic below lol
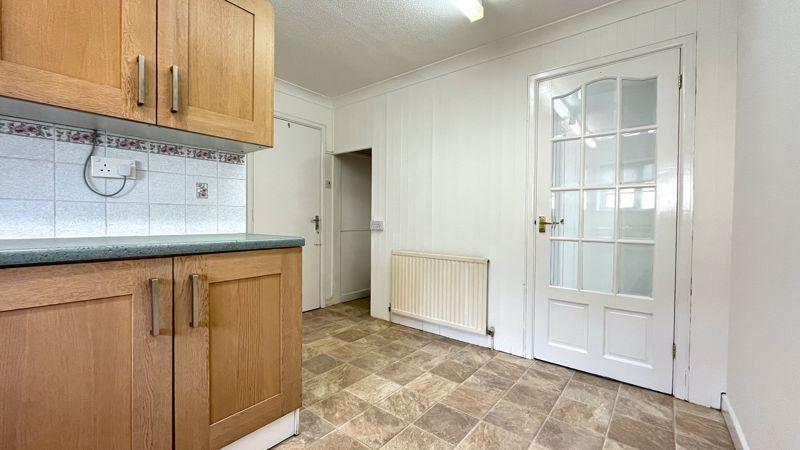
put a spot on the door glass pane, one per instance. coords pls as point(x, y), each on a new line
point(566, 205)
point(566, 163)
point(638, 157)
point(598, 214)
point(599, 156)
point(564, 264)
point(637, 213)
point(601, 106)
point(567, 115)
point(635, 273)
point(598, 266)
point(638, 103)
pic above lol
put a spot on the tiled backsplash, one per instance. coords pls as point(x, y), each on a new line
point(178, 189)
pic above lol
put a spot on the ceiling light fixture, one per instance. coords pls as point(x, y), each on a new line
point(473, 9)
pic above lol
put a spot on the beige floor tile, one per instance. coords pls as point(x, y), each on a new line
point(372, 361)
point(639, 434)
point(499, 366)
point(533, 398)
point(702, 429)
point(339, 407)
point(331, 382)
point(413, 438)
point(515, 418)
point(373, 388)
point(644, 411)
point(432, 386)
point(422, 360)
point(446, 423)
point(400, 373)
point(312, 427)
point(489, 380)
point(552, 368)
point(611, 444)
point(337, 441)
point(486, 436)
point(590, 394)
point(594, 380)
point(472, 400)
point(440, 348)
point(543, 380)
point(406, 404)
point(697, 410)
point(351, 334)
point(582, 415)
point(453, 371)
point(321, 364)
point(374, 427)
point(351, 351)
point(557, 435)
point(513, 359)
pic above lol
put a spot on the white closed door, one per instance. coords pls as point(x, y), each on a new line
point(606, 174)
point(286, 196)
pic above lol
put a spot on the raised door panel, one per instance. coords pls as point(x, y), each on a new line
point(239, 368)
point(80, 54)
point(81, 368)
point(223, 53)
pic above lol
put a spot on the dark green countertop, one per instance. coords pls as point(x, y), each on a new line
point(28, 252)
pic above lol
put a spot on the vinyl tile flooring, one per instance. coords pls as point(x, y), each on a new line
point(368, 383)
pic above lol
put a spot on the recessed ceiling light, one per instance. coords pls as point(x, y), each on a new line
point(473, 9)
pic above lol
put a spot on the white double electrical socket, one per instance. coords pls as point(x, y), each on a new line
point(103, 167)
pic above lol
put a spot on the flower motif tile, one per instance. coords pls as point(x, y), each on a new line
point(167, 149)
point(20, 128)
point(126, 143)
point(231, 158)
point(199, 153)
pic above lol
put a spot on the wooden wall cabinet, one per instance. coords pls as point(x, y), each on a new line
point(207, 66)
point(84, 365)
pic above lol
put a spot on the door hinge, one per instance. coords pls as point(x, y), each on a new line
point(680, 81)
point(674, 350)
point(390, 307)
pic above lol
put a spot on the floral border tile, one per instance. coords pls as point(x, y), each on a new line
point(20, 128)
point(128, 143)
point(167, 149)
point(199, 153)
point(231, 158)
point(77, 136)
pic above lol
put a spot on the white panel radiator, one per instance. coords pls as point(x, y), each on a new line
point(441, 289)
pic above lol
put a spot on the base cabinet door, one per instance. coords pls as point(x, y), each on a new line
point(86, 356)
point(237, 344)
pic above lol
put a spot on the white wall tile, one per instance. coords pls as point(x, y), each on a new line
point(26, 147)
point(201, 167)
point(167, 188)
point(232, 219)
point(80, 219)
point(70, 152)
point(167, 163)
point(191, 190)
point(136, 191)
point(232, 192)
point(127, 219)
point(201, 219)
point(23, 219)
point(167, 219)
point(70, 185)
point(26, 179)
point(238, 171)
point(139, 157)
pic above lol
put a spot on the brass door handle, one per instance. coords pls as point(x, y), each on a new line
point(543, 222)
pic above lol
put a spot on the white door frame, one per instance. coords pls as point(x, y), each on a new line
point(323, 242)
point(685, 211)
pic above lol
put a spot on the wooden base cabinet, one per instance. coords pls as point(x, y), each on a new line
point(237, 344)
point(83, 363)
point(87, 351)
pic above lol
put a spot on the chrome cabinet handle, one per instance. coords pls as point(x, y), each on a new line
point(195, 322)
point(140, 99)
point(175, 89)
point(154, 325)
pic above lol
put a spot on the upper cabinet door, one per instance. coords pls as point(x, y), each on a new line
point(81, 54)
point(215, 64)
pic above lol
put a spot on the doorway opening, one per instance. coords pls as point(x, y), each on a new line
point(352, 206)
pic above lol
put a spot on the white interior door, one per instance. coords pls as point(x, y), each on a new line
point(606, 165)
point(286, 196)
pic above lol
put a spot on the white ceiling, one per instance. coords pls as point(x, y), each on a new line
point(336, 46)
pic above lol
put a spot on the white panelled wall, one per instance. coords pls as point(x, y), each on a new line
point(449, 144)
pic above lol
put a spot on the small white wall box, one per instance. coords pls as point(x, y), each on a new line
point(113, 168)
point(376, 225)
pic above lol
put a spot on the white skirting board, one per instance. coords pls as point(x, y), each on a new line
point(442, 330)
point(734, 427)
point(270, 435)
